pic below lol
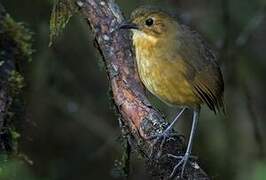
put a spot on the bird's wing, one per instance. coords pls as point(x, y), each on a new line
point(203, 72)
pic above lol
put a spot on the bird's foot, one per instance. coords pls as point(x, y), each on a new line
point(161, 138)
point(182, 161)
point(166, 135)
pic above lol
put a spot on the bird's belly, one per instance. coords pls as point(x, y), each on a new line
point(167, 82)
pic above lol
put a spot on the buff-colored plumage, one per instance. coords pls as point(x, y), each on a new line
point(174, 63)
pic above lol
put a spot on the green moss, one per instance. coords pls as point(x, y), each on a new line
point(21, 36)
point(14, 134)
point(62, 11)
point(15, 169)
point(15, 82)
point(16, 50)
point(14, 137)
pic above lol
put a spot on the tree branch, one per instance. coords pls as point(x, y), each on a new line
point(15, 50)
point(139, 117)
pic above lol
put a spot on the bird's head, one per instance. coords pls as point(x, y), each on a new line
point(151, 24)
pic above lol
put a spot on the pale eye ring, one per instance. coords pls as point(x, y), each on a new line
point(149, 22)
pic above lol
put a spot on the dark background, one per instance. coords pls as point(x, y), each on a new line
point(72, 131)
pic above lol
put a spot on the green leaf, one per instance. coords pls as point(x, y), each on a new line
point(62, 11)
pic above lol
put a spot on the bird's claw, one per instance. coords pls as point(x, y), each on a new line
point(180, 157)
point(162, 137)
point(183, 161)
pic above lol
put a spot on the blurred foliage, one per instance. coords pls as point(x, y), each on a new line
point(72, 128)
point(260, 172)
point(14, 170)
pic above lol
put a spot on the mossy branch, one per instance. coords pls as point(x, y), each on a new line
point(15, 50)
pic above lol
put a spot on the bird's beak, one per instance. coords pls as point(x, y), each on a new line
point(128, 25)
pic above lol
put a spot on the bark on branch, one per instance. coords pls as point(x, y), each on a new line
point(137, 114)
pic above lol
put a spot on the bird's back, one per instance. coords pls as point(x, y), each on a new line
point(203, 72)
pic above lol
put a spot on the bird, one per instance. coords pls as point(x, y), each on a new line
point(176, 65)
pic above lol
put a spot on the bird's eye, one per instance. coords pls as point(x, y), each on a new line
point(149, 22)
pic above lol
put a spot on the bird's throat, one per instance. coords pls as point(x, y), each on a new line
point(141, 39)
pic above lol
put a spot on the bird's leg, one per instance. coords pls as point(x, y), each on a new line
point(185, 158)
point(165, 133)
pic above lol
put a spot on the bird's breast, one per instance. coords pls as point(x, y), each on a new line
point(162, 76)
